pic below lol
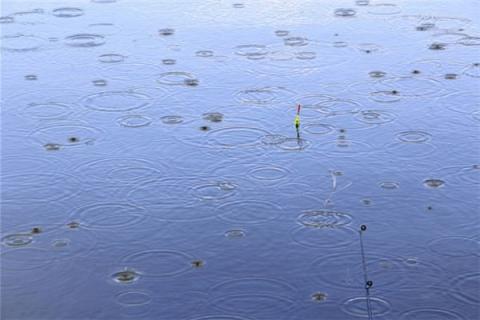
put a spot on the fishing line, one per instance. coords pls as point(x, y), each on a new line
point(368, 283)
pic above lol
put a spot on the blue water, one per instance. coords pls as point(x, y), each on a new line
point(151, 168)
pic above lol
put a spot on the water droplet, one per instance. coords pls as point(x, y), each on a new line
point(437, 46)
point(434, 183)
point(126, 276)
point(166, 32)
point(319, 296)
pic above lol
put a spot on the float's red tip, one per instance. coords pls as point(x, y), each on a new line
point(298, 109)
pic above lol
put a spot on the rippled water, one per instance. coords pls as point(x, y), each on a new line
point(151, 168)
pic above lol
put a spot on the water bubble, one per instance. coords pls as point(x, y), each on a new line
point(235, 234)
point(172, 119)
point(169, 62)
point(134, 121)
point(67, 12)
point(204, 53)
point(425, 26)
point(198, 263)
point(126, 276)
point(51, 146)
point(7, 19)
point(389, 185)
point(324, 218)
point(340, 44)
point(345, 12)
point(85, 40)
point(111, 58)
point(17, 240)
point(31, 77)
point(377, 74)
point(213, 116)
point(451, 76)
point(191, 82)
point(166, 32)
point(414, 136)
point(99, 83)
point(295, 41)
point(282, 33)
point(434, 183)
point(73, 225)
point(437, 46)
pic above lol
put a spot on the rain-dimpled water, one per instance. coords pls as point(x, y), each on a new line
point(240, 160)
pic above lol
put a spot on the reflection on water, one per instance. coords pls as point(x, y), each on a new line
point(151, 167)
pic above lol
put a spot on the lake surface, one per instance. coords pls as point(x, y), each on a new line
point(151, 168)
